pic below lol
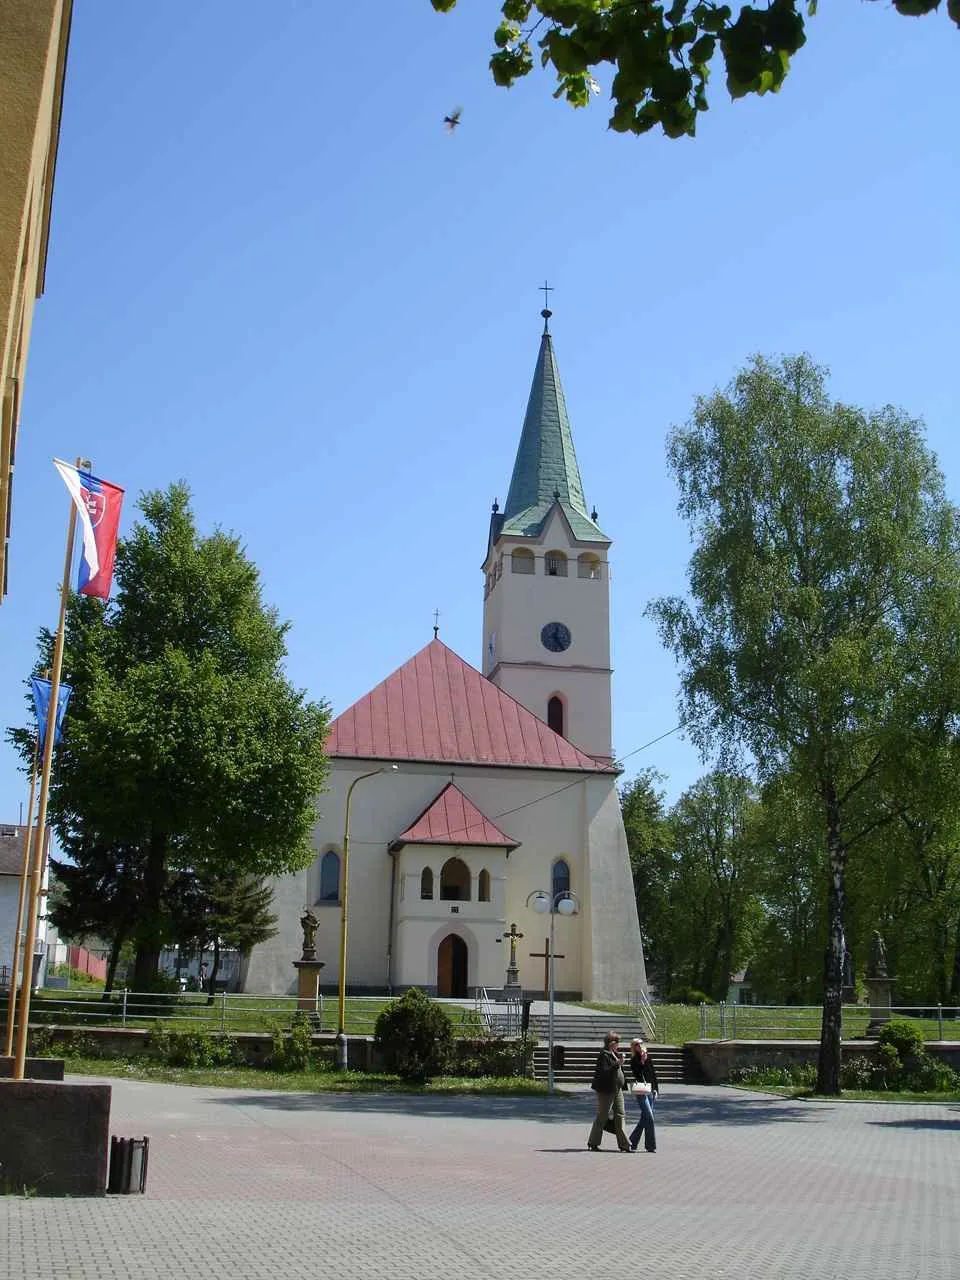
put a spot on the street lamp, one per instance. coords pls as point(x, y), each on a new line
point(564, 903)
point(341, 996)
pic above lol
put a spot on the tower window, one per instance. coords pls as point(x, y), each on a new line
point(555, 714)
point(561, 877)
point(426, 883)
point(521, 560)
point(556, 564)
point(588, 566)
point(483, 886)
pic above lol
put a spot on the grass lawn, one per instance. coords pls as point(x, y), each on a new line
point(303, 1081)
point(678, 1023)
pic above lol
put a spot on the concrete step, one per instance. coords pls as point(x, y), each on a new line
point(674, 1065)
point(587, 1027)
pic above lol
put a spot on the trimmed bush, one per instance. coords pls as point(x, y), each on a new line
point(414, 1037)
point(903, 1036)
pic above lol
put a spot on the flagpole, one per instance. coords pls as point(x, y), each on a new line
point(24, 881)
point(26, 982)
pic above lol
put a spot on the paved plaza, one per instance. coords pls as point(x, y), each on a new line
point(267, 1186)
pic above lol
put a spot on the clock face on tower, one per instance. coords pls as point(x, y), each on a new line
point(555, 637)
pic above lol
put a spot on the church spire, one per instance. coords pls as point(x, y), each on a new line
point(546, 468)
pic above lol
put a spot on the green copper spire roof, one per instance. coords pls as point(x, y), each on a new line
point(546, 468)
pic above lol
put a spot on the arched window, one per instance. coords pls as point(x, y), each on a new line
point(330, 877)
point(588, 566)
point(555, 714)
point(454, 881)
point(483, 886)
point(561, 877)
point(555, 565)
point(426, 883)
point(521, 560)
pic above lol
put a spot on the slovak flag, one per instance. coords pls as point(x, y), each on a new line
point(98, 505)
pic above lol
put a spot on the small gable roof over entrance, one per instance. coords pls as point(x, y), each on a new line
point(438, 708)
point(453, 819)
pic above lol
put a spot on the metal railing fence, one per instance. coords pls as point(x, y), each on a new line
point(223, 1012)
point(639, 1001)
point(725, 1021)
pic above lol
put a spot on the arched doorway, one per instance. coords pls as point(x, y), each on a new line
point(452, 966)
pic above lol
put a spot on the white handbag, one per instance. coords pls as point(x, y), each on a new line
point(641, 1088)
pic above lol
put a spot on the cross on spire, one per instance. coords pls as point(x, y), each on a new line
point(436, 624)
point(546, 289)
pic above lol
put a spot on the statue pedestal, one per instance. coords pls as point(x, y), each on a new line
point(878, 993)
point(308, 986)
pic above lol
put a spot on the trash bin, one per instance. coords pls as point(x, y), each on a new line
point(559, 1056)
point(128, 1165)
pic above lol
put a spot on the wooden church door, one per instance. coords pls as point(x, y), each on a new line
point(452, 966)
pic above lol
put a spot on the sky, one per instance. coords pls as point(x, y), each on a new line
point(275, 275)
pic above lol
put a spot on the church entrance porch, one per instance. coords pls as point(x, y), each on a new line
point(452, 966)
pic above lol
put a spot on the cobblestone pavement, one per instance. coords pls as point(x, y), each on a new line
point(268, 1186)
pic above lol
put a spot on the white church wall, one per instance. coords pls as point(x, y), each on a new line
point(543, 809)
point(616, 965)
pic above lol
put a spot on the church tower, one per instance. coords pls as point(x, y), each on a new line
point(546, 612)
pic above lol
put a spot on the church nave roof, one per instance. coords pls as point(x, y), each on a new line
point(436, 707)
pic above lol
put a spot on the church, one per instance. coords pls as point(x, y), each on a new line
point(464, 793)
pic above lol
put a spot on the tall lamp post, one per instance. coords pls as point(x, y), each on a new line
point(342, 991)
point(564, 903)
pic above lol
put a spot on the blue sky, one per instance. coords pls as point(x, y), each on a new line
point(273, 274)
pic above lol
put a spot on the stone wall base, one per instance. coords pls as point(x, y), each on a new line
point(54, 1138)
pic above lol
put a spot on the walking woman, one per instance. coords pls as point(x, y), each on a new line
point(645, 1075)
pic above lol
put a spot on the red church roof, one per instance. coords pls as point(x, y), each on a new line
point(437, 707)
point(453, 819)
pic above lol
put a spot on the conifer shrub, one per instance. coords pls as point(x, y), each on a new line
point(414, 1037)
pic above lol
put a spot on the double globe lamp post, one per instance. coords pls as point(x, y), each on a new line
point(342, 990)
point(564, 903)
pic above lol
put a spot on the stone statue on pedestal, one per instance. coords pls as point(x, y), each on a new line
point(877, 964)
point(309, 923)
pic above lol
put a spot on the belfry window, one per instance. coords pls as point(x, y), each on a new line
point(426, 883)
point(521, 560)
point(483, 886)
point(555, 565)
point(555, 714)
point(588, 566)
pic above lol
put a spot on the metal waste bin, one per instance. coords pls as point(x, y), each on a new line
point(128, 1165)
point(559, 1057)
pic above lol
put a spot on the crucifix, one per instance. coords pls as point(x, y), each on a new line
point(544, 955)
point(513, 974)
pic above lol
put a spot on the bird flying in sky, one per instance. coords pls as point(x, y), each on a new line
point(453, 119)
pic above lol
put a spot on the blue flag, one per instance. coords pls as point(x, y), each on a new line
point(41, 702)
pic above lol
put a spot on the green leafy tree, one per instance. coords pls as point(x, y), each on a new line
point(787, 959)
point(649, 841)
point(661, 55)
point(711, 895)
point(821, 626)
point(185, 745)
